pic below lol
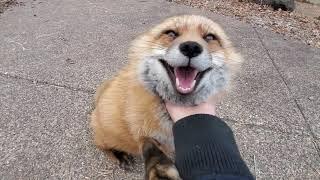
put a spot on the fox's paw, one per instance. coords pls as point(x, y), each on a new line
point(158, 166)
point(125, 160)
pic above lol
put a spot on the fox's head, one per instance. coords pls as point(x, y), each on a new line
point(185, 59)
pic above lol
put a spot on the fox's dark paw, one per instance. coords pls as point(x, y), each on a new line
point(125, 160)
point(158, 166)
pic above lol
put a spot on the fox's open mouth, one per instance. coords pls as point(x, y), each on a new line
point(184, 78)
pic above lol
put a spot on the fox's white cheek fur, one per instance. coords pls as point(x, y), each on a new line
point(159, 52)
point(217, 59)
point(153, 75)
point(202, 61)
point(175, 58)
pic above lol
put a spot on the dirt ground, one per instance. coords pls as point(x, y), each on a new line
point(302, 24)
point(5, 4)
point(308, 9)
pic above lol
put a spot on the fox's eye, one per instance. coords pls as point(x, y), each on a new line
point(171, 34)
point(210, 37)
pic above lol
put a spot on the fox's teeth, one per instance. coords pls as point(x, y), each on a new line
point(188, 88)
point(177, 82)
point(185, 89)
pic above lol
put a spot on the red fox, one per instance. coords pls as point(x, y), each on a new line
point(185, 60)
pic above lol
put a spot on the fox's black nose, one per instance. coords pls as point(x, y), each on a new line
point(190, 49)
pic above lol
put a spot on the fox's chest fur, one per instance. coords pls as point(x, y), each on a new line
point(126, 112)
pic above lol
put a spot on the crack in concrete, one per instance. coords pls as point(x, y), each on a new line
point(263, 127)
point(316, 146)
point(314, 141)
point(34, 81)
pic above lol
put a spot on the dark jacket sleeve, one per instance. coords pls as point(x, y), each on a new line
point(206, 149)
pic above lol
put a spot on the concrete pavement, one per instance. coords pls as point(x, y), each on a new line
point(54, 53)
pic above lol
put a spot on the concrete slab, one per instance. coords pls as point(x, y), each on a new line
point(278, 155)
point(53, 54)
point(44, 134)
point(78, 44)
point(259, 96)
point(299, 66)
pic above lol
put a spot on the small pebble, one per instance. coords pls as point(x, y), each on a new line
point(70, 61)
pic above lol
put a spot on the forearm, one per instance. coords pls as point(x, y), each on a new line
point(206, 149)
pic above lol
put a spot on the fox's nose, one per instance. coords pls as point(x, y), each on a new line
point(190, 49)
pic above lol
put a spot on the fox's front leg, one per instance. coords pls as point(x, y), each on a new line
point(158, 166)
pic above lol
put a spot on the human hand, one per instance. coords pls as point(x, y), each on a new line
point(178, 112)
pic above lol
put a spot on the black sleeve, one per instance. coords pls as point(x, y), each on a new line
point(206, 149)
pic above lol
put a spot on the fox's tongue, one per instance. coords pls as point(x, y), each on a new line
point(185, 79)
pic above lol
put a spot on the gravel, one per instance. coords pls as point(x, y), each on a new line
point(292, 25)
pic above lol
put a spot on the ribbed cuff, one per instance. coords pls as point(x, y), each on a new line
point(205, 145)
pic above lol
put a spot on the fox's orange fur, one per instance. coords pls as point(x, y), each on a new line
point(125, 112)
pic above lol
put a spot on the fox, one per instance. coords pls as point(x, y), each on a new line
point(184, 60)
